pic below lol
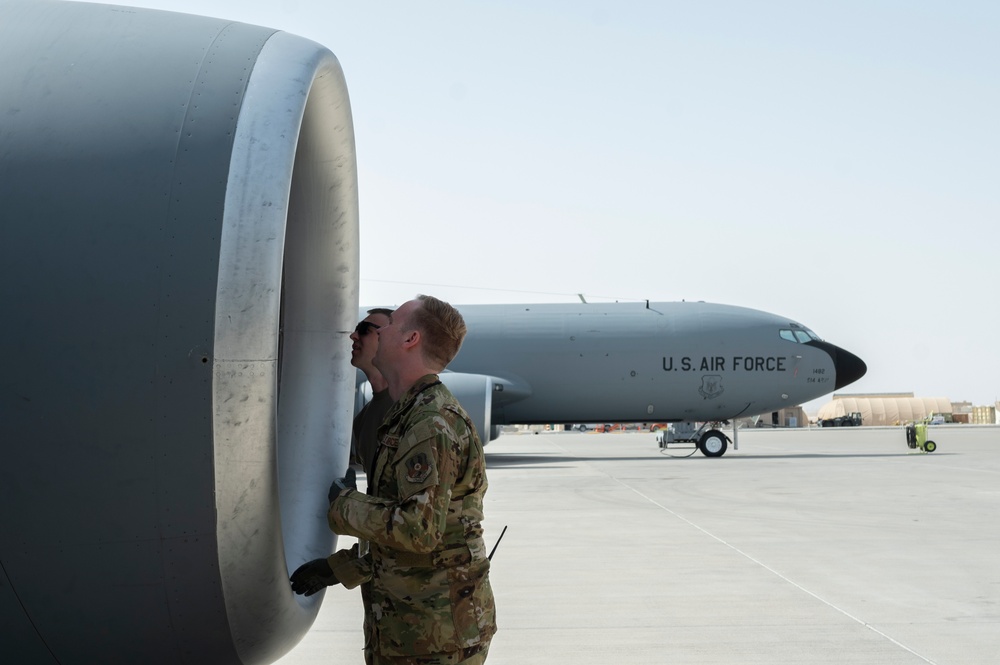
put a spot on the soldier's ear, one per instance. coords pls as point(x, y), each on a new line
point(411, 338)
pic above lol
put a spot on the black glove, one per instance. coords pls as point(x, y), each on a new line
point(341, 484)
point(312, 576)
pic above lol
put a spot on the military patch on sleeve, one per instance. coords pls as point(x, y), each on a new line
point(418, 468)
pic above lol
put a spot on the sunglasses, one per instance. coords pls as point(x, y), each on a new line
point(365, 327)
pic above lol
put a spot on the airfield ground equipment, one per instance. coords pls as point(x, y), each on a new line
point(916, 437)
point(849, 420)
point(693, 437)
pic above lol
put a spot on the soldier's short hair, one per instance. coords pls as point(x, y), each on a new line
point(381, 310)
point(442, 328)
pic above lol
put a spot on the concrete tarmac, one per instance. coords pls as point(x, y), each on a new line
point(803, 546)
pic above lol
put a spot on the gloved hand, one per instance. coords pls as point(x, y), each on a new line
point(312, 576)
point(341, 484)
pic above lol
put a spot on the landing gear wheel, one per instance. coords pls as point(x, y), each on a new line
point(930, 446)
point(713, 443)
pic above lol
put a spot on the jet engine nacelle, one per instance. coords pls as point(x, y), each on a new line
point(179, 277)
point(475, 393)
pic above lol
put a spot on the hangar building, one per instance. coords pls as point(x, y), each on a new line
point(886, 408)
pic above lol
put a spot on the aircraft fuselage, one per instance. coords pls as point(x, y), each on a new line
point(632, 362)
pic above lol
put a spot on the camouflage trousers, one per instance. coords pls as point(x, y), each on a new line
point(369, 623)
point(456, 658)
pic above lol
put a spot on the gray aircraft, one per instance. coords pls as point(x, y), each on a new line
point(639, 362)
point(179, 277)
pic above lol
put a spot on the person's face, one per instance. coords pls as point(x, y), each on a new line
point(365, 340)
point(393, 333)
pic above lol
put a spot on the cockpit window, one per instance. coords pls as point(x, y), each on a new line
point(798, 335)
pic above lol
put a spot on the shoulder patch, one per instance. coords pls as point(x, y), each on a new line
point(418, 468)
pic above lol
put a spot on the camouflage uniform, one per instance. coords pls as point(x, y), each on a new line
point(431, 595)
point(364, 445)
point(364, 434)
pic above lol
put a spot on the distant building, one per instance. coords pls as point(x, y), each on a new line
point(886, 408)
point(961, 407)
point(961, 412)
point(984, 415)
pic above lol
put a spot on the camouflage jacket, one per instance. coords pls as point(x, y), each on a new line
point(430, 573)
point(364, 433)
point(353, 570)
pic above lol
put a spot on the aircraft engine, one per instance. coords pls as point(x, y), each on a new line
point(475, 393)
point(179, 277)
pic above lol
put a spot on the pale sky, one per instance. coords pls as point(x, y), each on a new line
point(837, 163)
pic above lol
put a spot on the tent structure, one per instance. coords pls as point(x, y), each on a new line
point(885, 409)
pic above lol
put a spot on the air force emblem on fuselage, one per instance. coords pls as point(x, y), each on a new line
point(711, 386)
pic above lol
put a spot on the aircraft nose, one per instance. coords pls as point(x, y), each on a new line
point(848, 366)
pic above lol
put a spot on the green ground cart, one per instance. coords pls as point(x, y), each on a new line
point(916, 437)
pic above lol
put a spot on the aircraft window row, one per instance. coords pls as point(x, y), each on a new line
point(799, 336)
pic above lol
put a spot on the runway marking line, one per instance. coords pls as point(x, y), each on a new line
point(779, 575)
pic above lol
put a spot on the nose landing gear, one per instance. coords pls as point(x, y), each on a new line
point(711, 442)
